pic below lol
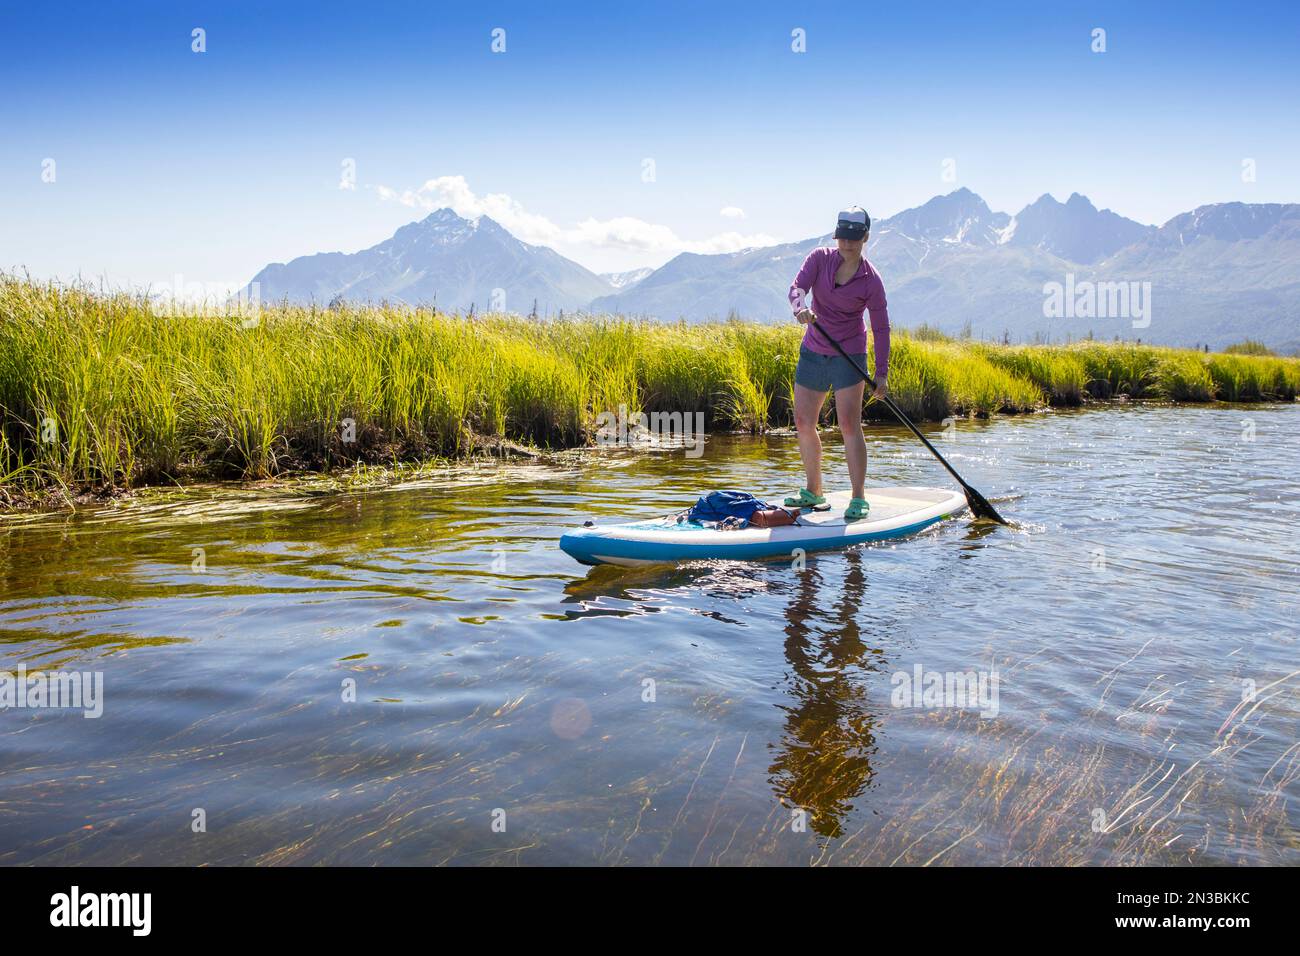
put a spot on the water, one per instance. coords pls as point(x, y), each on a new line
point(1152, 574)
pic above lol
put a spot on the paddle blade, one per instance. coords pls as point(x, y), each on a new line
point(980, 507)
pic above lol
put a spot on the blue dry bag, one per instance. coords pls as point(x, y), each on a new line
point(719, 506)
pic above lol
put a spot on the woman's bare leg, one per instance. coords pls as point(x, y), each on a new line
point(807, 410)
point(848, 410)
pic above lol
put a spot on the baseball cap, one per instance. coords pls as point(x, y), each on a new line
point(854, 223)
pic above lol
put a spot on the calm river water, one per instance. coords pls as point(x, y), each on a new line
point(418, 675)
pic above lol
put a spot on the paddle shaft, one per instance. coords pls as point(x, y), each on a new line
point(979, 505)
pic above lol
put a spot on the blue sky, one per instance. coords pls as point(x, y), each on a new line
point(210, 165)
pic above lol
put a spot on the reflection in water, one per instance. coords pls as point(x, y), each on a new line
point(824, 756)
point(677, 715)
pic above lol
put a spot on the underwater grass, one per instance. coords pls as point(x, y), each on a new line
point(104, 391)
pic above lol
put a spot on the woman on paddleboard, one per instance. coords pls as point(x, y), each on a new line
point(843, 286)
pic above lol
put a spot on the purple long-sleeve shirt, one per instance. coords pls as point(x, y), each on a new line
point(839, 309)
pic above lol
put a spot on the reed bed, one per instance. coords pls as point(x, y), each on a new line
point(108, 391)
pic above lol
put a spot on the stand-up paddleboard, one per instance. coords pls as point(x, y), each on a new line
point(895, 513)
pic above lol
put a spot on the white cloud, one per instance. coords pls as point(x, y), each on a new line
point(625, 233)
point(732, 212)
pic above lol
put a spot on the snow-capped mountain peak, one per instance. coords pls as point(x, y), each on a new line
point(444, 259)
point(1075, 229)
point(959, 217)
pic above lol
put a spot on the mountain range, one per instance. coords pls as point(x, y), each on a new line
point(1218, 274)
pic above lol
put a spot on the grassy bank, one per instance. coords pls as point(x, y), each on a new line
point(103, 391)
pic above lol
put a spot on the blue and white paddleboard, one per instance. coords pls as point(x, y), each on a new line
point(895, 513)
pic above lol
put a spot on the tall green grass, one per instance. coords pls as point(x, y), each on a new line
point(1063, 377)
point(1248, 347)
point(108, 391)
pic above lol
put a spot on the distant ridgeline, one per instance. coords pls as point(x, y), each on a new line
point(1052, 272)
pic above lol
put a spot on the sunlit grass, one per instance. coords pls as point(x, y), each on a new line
point(1061, 375)
point(106, 391)
point(1248, 347)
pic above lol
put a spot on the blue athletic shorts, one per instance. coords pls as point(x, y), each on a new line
point(822, 373)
